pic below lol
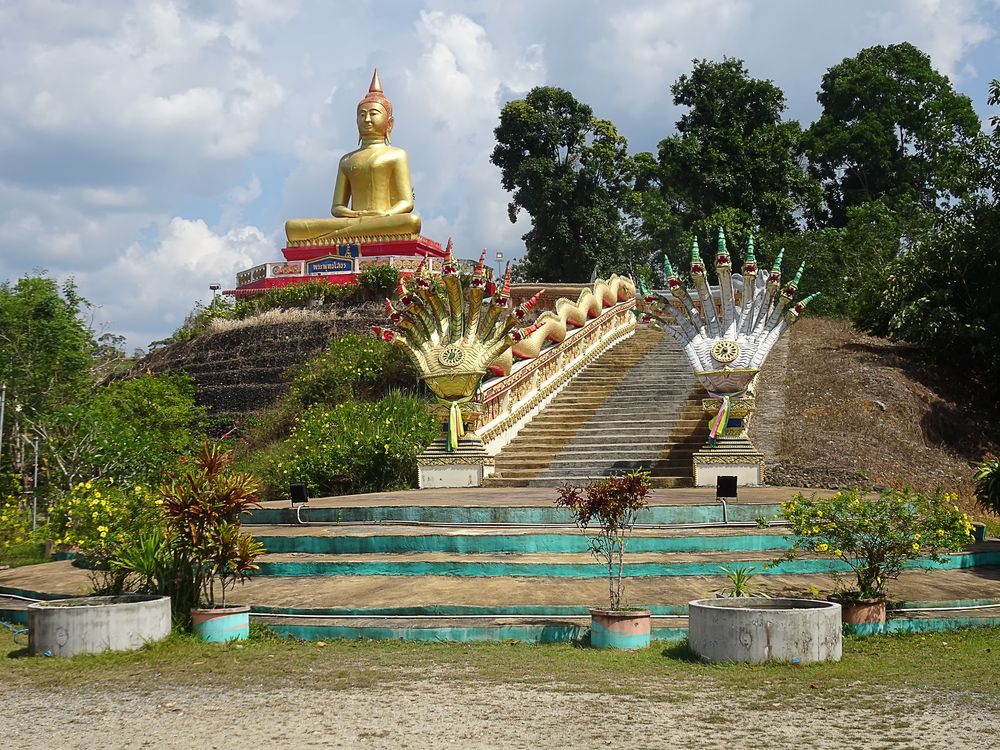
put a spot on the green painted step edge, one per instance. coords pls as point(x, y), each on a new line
point(14, 616)
point(591, 570)
point(567, 632)
point(547, 610)
point(523, 543)
point(486, 514)
point(27, 594)
point(539, 610)
point(933, 625)
point(542, 633)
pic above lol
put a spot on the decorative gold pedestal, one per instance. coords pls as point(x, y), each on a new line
point(732, 453)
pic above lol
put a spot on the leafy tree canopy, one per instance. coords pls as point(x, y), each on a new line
point(734, 161)
point(45, 346)
point(571, 173)
point(892, 127)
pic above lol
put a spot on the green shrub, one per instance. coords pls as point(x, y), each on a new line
point(987, 482)
point(352, 367)
point(100, 519)
point(295, 296)
point(378, 281)
point(877, 536)
point(15, 521)
point(134, 430)
point(355, 446)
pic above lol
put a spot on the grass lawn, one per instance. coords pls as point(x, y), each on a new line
point(967, 662)
point(23, 554)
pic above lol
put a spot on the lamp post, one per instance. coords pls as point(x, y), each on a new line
point(499, 261)
point(215, 287)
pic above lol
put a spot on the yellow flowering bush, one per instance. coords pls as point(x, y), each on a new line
point(877, 536)
point(15, 521)
point(99, 519)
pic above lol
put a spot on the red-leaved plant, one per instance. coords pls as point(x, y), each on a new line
point(605, 510)
point(202, 509)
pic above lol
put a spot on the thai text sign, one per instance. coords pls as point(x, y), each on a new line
point(330, 264)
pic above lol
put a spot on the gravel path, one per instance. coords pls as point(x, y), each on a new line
point(436, 714)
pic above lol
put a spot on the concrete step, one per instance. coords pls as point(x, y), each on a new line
point(624, 424)
point(601, 448)
point(544, 467)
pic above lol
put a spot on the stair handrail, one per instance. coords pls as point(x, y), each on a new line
point(552, 352)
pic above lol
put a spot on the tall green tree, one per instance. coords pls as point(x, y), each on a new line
point(45, 343)
point(571, 173)
point(134, 430)
point(734, 161)
point(941, 291)
point(893, 128)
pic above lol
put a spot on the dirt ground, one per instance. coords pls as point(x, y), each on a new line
point(440, 713)
point(862, 411)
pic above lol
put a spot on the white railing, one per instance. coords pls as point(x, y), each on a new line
point(510, 402)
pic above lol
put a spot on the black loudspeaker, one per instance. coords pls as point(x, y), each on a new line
point(299, 492)
point(725, 487)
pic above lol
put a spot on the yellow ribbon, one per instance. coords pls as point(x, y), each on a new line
point(456, 429)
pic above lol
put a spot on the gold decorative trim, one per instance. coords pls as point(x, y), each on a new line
point(355, 240)
point(457, 460)
point(619, 333)
point(725, 351)
point(747, 459)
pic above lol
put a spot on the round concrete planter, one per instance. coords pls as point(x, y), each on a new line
point(93, 624)
point(755, 629)
point(221, 624)
point(620, 628)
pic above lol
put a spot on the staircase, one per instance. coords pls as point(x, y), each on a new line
point(636, 406)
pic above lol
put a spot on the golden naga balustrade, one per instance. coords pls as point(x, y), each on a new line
point(458, 339)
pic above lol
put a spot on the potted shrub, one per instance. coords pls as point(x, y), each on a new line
point(741, 583)
point(876, 537)
point(208, 552)
point(606, 511)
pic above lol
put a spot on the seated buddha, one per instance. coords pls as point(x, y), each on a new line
point(373, 197)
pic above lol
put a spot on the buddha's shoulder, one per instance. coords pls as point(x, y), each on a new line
point(394, 152)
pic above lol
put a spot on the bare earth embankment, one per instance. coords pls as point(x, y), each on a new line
point(863, 411)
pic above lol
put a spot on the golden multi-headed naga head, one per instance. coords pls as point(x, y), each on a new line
point(449, 334)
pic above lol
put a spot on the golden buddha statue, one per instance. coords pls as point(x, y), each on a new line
point(373, 197)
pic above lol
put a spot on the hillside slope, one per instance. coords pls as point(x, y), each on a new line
point(243, 367)
point(836, 408)
point(840, 408)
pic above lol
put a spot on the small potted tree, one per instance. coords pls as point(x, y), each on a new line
point(606, 511)
point(209, 554)
point(876, 537)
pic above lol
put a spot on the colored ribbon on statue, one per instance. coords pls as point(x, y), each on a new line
point(720, 421)
point(455, 427)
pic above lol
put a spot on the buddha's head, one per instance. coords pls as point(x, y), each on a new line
point(375, 112)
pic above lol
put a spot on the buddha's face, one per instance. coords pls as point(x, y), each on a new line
point(373, 119)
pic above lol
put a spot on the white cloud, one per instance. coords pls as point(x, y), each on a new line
point(944, 29)
point(146, 291)
point(118, 117)
point(653, 42)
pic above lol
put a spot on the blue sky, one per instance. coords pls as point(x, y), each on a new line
point(150, 148)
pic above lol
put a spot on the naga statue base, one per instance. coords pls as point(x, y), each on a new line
point(730, 453)
point(467, 466)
